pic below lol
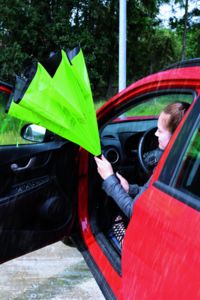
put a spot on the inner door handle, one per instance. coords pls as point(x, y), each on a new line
point(16, 168)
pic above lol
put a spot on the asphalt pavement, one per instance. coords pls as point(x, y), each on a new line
point(56, 272)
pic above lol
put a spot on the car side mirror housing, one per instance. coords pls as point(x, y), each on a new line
point(34, 133)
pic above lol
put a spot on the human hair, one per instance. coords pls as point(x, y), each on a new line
point(176, 111)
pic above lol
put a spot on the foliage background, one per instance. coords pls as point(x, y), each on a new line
point(31, 29)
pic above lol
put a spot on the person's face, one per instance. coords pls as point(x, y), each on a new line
point(163, 133)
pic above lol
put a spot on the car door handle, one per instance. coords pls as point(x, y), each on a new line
point(16, 168)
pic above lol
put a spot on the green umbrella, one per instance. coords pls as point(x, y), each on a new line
point(24, 114)
point(63, 104)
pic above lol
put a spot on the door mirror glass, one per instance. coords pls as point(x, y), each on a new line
point(34, 133)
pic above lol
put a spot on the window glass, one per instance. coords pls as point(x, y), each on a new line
point(154, 105)
point(148, 110)
point(189, 175)
point(10, 127)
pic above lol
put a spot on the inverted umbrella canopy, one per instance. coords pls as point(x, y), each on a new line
point(62, 103)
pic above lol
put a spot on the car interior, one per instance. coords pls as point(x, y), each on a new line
point(121, 141)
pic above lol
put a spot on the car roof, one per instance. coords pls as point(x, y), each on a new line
point(182, 75)
point(194, 62)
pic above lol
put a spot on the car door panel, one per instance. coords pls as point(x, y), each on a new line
point(165, 251)
point(36, 199)
point(12, 153)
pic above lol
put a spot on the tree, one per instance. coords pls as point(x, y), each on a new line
point(28, 32)
point(31, 29)
point(187, 28)
point(193, 45)
point(183, 54)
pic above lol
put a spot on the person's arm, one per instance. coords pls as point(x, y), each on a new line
point(136, 190)
point(133, 190)
point(114, 189)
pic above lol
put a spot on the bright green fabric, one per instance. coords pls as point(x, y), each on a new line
point(28, 116)
point(62, 104)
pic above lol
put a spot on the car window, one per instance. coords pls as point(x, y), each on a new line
point(154, 105)
point(10, 127)
point(188, 179)
point(143, 116)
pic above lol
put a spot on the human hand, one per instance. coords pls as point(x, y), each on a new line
point(104, 167)
point(123, 182)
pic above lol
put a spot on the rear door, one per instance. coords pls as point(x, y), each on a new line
point(38, 187)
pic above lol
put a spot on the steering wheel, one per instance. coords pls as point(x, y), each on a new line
point(148, 150)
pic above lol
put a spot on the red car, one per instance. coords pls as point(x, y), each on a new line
point(50, 190)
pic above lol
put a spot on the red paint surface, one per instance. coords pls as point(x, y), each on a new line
point(5, 89)
point(161, 250)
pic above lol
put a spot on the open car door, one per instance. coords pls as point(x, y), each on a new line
point(38, 187)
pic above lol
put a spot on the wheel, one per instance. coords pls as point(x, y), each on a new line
point(148, 152)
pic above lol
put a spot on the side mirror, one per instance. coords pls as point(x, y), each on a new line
point(34, 133)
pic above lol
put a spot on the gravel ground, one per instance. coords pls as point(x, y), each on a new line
point(56, 272)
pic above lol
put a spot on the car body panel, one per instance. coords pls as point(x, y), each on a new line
point(164, 255)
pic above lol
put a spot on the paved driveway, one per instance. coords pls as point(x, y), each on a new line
point(56, 272)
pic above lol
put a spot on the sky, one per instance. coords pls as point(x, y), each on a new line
point(166, 11)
